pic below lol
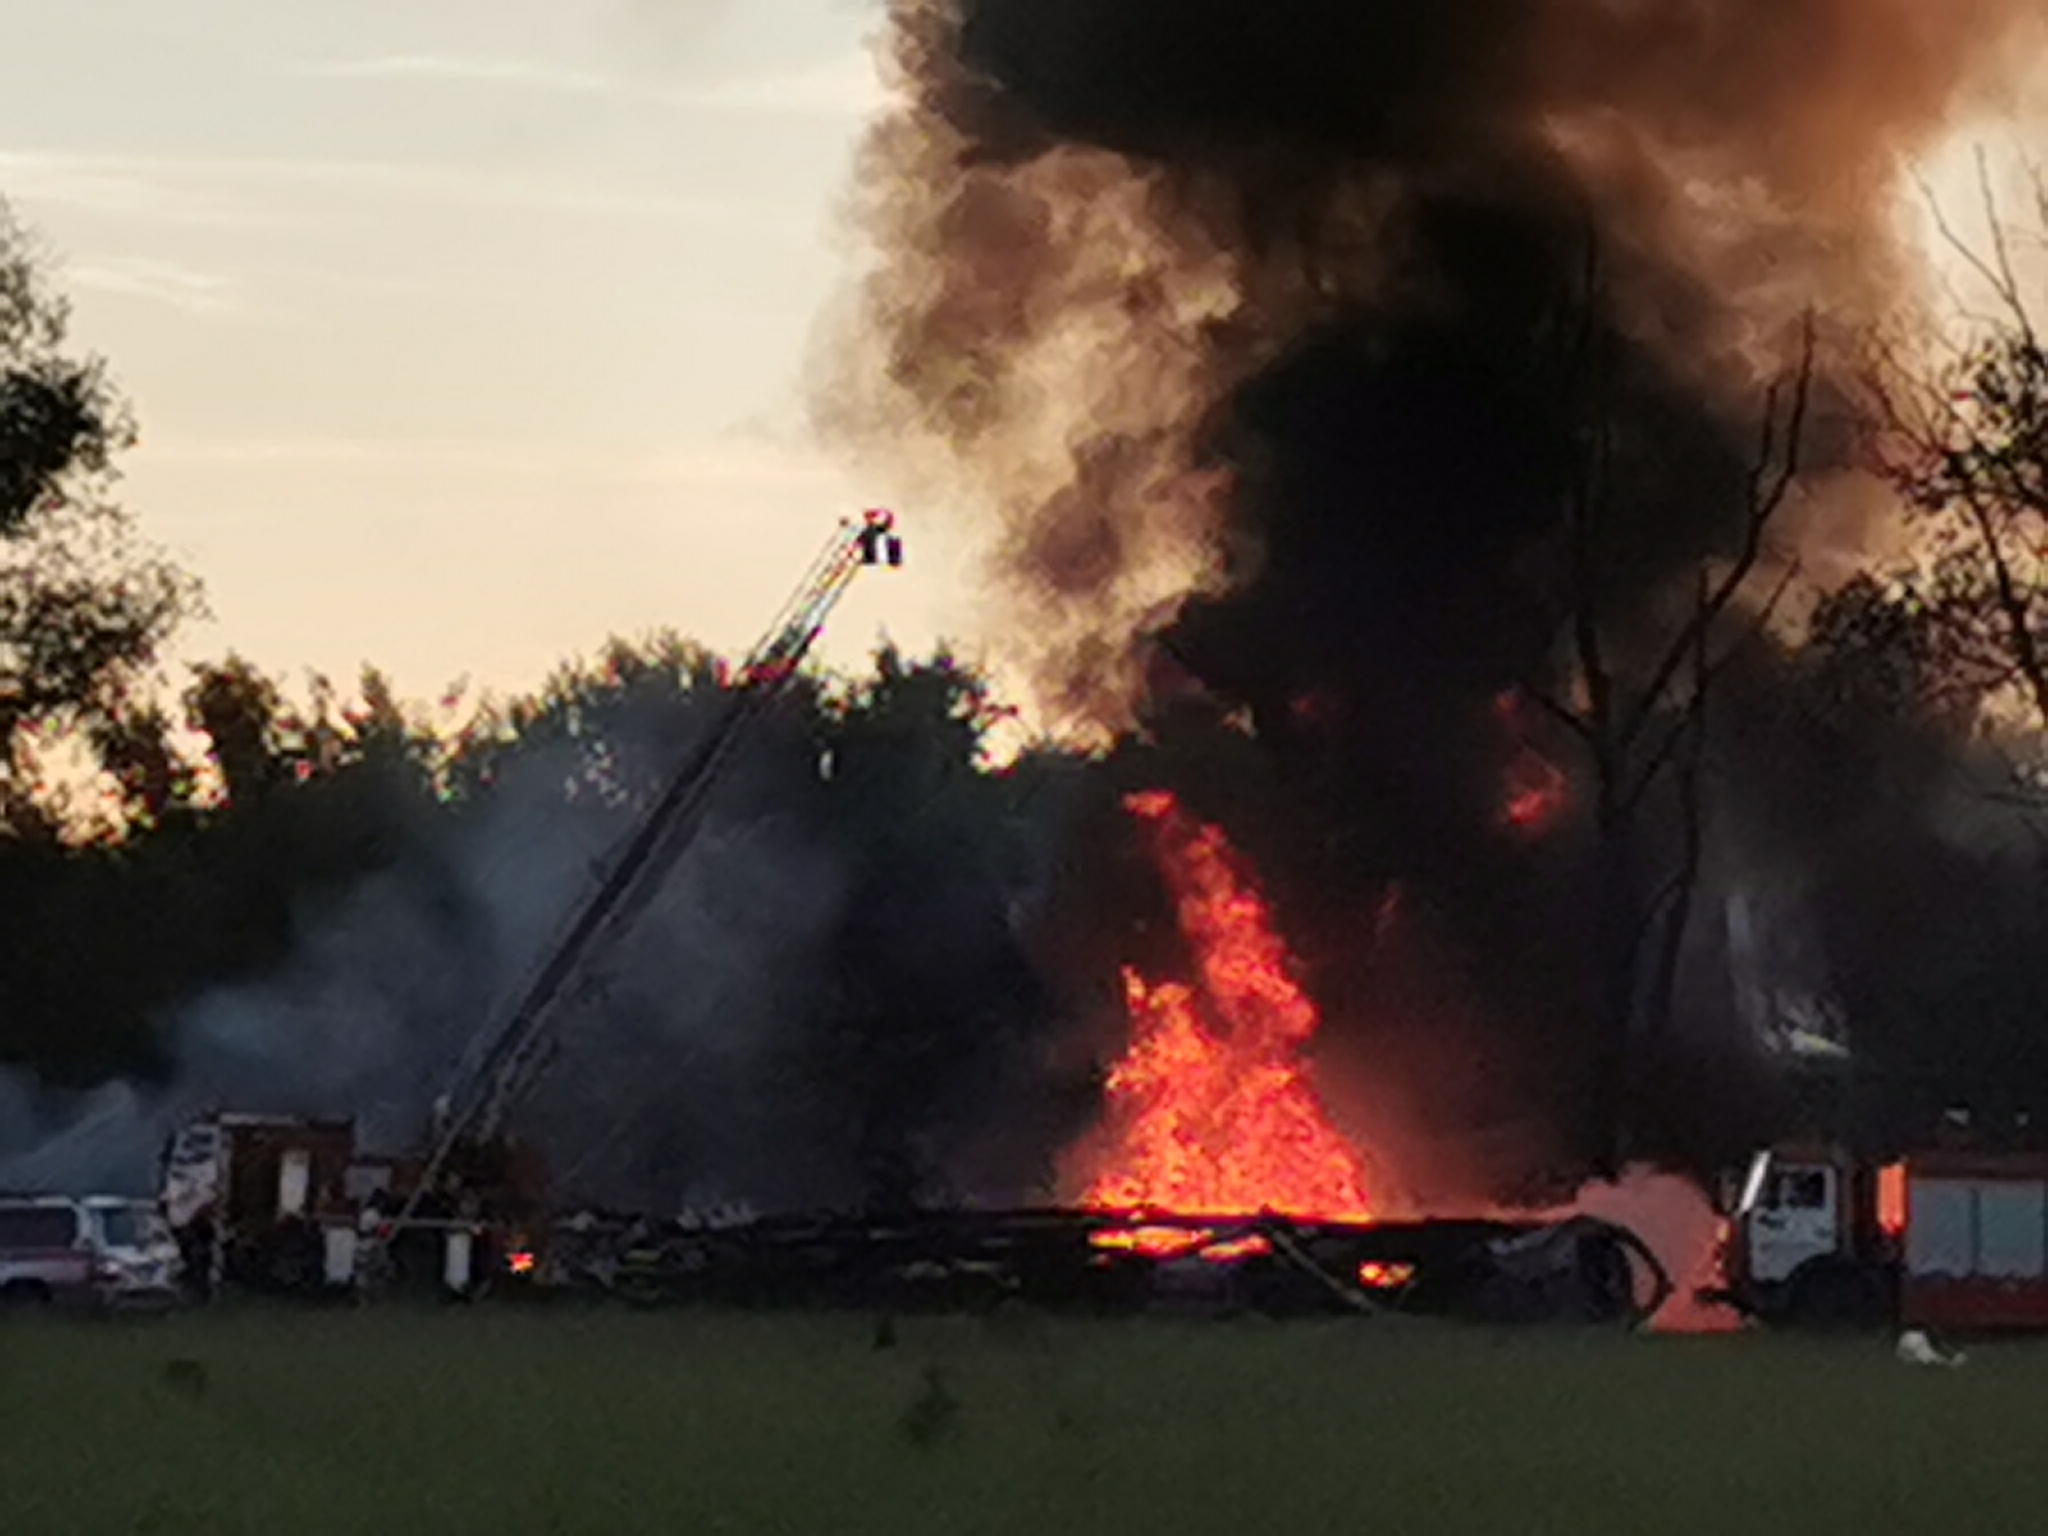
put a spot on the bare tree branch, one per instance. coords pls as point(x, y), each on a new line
point(1562, 713)
point(1636, 729)
point(1974, 460)
point(1771, 475)
point(1706, 670)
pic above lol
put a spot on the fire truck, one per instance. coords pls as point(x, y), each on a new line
point(1950, 1238)
point(287, 1205)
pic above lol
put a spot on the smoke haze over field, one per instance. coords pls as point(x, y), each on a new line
point(714, 1053)
point(390, 983)
point(823, 1003)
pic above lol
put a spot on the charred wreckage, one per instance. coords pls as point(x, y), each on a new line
point(289, 1206)
point(295, 1206)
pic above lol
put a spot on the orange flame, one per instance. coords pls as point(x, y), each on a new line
point(1210, 1110)
point(1179, 1242)
point(1385, 1275)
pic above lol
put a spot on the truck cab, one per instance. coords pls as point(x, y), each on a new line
point(1792, 1216)
point(1804, 1240)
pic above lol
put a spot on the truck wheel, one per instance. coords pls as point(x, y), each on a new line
point(1837, 1297)
point(25, 1293)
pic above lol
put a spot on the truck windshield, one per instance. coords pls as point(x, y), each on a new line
point(1798, 1189)
point(122, 1226)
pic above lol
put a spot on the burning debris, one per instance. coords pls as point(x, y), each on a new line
point(1211, 1111)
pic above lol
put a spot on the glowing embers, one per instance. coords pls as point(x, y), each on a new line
point(1381, 1275)
point(1179, 1243)
point(1210, 1111)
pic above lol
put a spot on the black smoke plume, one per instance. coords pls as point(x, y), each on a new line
point(1279, 336)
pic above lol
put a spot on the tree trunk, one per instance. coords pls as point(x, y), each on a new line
point(1617, 918)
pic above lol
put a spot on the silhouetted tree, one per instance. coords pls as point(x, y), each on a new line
point(83, 610)
point(931, 992)
point(1965, 612)
point(1633, 700)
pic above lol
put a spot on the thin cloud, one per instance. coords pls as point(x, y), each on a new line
point(242, 189)
point(130, 188)
point(736, 459)
point(845, 86)
point(436, 67)
point(164, 282)
point(482, 292)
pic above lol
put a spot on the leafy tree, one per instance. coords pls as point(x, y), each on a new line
point(60, 421)
point(200, 888)
point(931, 994)
point(83, 610)
point(586, 705)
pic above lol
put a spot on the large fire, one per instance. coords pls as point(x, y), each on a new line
point(1211, 1111)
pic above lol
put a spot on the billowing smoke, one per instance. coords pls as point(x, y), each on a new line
point(1284, 338)
point(1097, 223)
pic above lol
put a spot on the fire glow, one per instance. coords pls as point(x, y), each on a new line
point(1210, 1111)
point(1378, 1275)
point(1536, 792)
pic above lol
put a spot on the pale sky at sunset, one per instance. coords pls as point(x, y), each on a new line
point(461, 332)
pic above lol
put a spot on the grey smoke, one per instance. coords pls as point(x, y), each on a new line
point(388, 987)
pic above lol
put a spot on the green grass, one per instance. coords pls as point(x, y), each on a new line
point(611, 1422)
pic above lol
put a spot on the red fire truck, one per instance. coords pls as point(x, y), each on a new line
point(1947, 1239)
point(282, 1204)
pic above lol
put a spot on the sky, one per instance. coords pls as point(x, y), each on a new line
point(463, 334)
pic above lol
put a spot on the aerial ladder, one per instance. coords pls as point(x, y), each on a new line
point(477, 1105)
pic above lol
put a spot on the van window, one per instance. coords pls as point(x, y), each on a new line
point(38, 1226)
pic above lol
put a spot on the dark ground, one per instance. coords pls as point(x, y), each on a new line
point(613, 1422)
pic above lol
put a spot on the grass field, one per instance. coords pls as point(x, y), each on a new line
point(612, 1422)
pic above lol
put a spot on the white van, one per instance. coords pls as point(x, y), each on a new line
point(96, 1250)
